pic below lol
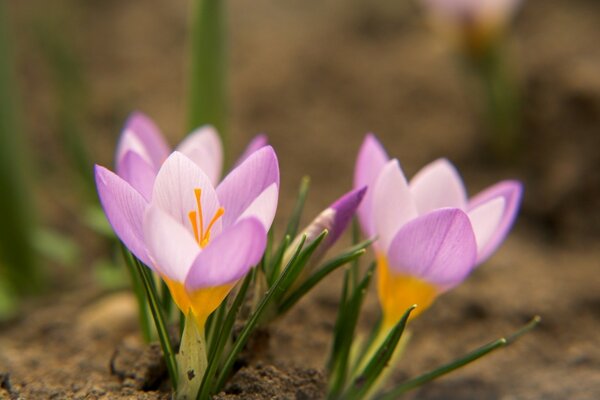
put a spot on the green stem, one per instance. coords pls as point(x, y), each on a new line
point(208, 70)
point(140, 296)
point(191, 359)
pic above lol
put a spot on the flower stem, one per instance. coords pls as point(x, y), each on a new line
point(191, 359)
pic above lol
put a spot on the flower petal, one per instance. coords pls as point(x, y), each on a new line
point(438, 185)
point(245, 183)
point(171, 247)
point(258, 142)
point(263, 207)
point(138, 173)
point(438, 248)
point(203, 146)
point(497, 228)
point(369, 163)
point(124, 207)
point(393, 205)
point(229, 256)
point(344, 209)
point(142, 136)
point(174, 191)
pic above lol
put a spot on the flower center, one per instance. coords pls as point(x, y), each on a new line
point(201, 234)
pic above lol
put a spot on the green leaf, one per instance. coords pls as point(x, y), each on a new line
point(345, 257)
point(345, 326)
point(220, 340)
point(292, 228)
point(460, 362)
point(370, 374)
point(253, 320)
point(159, 321)
point(137, 286)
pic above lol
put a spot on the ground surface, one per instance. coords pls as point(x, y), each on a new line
point(316, 77)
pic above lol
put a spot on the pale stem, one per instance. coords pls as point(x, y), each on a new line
point(191, 359)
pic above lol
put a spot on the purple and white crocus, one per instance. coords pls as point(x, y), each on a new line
point(430, 235)
point(199, 238)
point(142, 149)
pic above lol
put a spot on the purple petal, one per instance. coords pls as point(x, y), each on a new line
point(258, 142)
point(203, 146)
point(138, 173)
point(438, 185)
point(344, 209)
point(245, 183)
point(438, 248)
point(171, 246)
point(124, 208)
point(263, 207)
point(511, 192)
point(369, 163)
point(174, 191)
point(142, 136)
point(229, 256)
point(393, 205)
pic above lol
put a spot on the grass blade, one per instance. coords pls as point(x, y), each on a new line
point(369, 376)
point(460, 362)
point(344, 331)
point(254, 319)
point(140, 294)
point(206, 388)
point(349, 255)
point(159, 321)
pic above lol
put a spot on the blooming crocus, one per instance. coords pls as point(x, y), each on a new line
point(142, 149)
point(430, 235)
point(200, 239)
point(475, 23)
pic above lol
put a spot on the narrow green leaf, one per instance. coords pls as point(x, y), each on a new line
point(367, 378)
point(274, 267)
point(221, 338)
point(208, 72)
point(253, 320)
point(292, 228)
point(345, 257)
point(213, 327)
point(159, 321)
point(460, 362)
point(140, 295)
point(344, 332)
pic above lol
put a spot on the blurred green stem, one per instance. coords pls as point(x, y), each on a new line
point(208, 69)
point(502, 101)
point(16, 208)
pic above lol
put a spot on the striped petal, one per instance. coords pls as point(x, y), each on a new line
point(142, 136)
point(438, 185)
point(203, 146)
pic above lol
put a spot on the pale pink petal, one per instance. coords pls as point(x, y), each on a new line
point(229, 256)
point(485, 219)
point(263, 207)
point(438, 248)
point(393, 205)
point(171, 246)
point(141, 135)
point(511, 192)
point(259, 141)
point(245, 183)
point(138, 173)
point(438, 185)
point(203, 146)
point(124, 207)
point(174, 191)
point(369, 163)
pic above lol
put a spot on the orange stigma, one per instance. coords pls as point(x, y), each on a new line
point(202, 235)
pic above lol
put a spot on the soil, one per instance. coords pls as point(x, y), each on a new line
point(316, 76)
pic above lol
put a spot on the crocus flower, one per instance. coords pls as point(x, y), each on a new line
point(430, 235)
point(334, 219)
point(198, 238)
point(142, 149)
point(473, 22)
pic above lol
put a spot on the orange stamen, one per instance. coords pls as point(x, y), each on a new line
point(201, 235)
